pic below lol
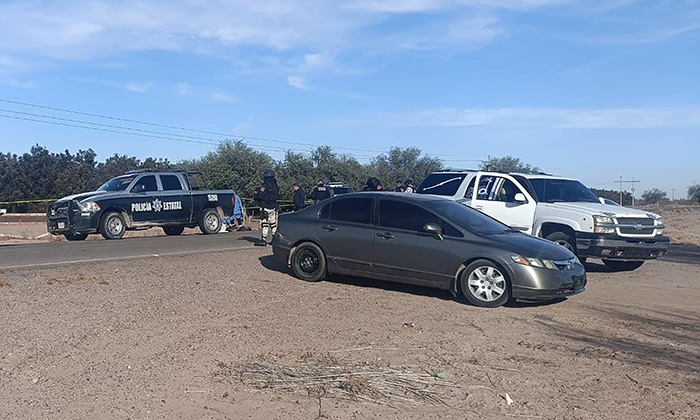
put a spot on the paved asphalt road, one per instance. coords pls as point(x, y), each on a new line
point(40, 254)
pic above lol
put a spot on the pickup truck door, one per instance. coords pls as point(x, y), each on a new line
point(497, 195)
point(144, 201)
point(176, 199)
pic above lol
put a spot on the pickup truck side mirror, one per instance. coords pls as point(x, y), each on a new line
point(520, 198)
point(602, 200)
point(434, 229)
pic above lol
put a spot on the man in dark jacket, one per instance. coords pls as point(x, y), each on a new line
point(399, 187)
point(320, 192)
point(266, 197)
point(373, 184)
point(299, 197)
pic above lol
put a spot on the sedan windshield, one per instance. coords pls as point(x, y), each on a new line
point(562, 191)
point(468, 218)
point(116, 184)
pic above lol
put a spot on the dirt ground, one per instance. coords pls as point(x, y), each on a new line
point(164, 338)
point(683, 224)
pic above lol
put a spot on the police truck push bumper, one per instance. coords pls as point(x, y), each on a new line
point(619, 248)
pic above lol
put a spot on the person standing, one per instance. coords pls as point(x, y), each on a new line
point(373, 184)
point(266, 197)
point(320, 192)
point(299, 197)
point(399, 187)
point(409, 186)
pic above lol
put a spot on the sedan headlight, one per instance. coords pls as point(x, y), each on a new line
point(534, 262)
point(89, 207)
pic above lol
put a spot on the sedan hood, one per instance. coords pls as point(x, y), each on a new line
point(531, 246)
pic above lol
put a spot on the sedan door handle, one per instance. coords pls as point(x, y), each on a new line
point(386, 235)
point(329, 228)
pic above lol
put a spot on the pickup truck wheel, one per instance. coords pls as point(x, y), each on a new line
point(76, 236)
point(173, 230)
point(309, 262)
point(563, 239)
point(485, 284)
point(210, 222)
point(622, 265)
point(112, 225)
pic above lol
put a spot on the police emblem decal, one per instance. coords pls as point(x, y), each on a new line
point(157, 205)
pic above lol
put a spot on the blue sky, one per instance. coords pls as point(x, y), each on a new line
point(592, 89)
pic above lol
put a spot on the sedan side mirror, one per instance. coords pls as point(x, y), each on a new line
point(520, 198)
point(434, 229)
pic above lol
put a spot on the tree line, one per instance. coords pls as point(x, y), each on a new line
point(42, 174)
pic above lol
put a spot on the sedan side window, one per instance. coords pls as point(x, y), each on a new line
point(145, 184)
point(406, 216)
point(353, 210)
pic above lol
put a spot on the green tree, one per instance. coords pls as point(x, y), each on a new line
point(654, 196)
point(401, 164)
point(508, 164)
point(694, 193)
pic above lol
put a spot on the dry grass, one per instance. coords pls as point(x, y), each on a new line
point(67, 280)
point(327, 378)
point(4, 283)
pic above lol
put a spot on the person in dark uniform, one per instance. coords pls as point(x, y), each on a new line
point(320, 192)
point(266, 197)
point(373, 184)
point(409, 187)
point(399, 187)
point(299, 197)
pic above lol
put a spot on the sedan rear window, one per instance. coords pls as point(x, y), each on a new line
point(353, 210)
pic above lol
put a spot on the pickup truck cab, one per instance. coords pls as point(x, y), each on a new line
point(140, 200)
point(562, 210)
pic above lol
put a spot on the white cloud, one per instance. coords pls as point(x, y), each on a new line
point(138, 87)
point(625, 118)
point(297, 82)
point(184, 88)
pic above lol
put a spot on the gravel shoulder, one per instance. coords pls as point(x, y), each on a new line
point(153, 338)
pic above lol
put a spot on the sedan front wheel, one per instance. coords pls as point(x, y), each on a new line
point(485, 284)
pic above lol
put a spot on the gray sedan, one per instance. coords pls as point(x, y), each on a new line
point(428, 241)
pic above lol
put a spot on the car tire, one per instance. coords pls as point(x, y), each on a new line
point(564, 239)
point(112, 225)
point(480, 283)
point(309, 262)
point(76, 236)
point(173, 230)
point(210, 222)
point(615, 265)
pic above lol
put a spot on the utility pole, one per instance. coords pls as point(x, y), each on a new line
point(673, 194)
point(631, 181)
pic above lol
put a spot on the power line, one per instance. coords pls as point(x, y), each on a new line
point(227, 135)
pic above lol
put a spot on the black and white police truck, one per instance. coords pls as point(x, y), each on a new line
point(562, 210)
point(137, 200)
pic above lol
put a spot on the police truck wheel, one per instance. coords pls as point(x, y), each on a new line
point(173, 230)
point(112, 225)
point(210, 222)
point(76, 236)
point(309, 262)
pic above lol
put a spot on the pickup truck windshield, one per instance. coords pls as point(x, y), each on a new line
point(562, 191)
point(116, 184)
point(441, 184)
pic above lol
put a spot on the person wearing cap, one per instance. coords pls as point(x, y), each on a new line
point(266, 197)
point(373, 184)
point(399, 187)
point(320, 192)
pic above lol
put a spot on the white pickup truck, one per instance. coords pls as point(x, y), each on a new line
point(559, 209)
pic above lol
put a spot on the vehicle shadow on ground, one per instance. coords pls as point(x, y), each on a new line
point(272, 264)
point(596, 267)
point(668, 340)
point(251, 239)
